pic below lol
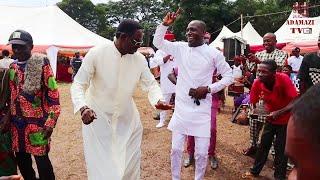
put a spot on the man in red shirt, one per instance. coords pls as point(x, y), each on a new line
point(278, 92)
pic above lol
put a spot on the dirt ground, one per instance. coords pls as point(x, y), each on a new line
point(67, 149)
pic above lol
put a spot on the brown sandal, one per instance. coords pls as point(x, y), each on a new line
point(248, 175)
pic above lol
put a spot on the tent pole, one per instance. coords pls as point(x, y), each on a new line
point(242, 45)
point(241, 18)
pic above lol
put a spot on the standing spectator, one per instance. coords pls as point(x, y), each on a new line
point(192, 114)
point(166, 63)
point(303, 136)
point(6, 61)
point(75, 64)
point(34, 107)
point(287, 69)
point(7, 161)
point(278, 93)
point(309, 72)
point(295, 60)
point(270, 53)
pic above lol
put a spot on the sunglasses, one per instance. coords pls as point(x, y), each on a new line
point(137, 43)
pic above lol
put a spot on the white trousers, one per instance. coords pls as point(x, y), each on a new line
point(163, 114)
point(201, 155)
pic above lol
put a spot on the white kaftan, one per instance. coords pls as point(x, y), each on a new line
point(196, 66)
point(167, 87)
point(106, 83)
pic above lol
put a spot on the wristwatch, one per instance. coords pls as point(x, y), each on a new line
point(209, 89)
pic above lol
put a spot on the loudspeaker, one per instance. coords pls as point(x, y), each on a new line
point(247, 50)
point(231, 48)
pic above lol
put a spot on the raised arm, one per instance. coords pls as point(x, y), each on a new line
point(159, 59)
point(159, 41)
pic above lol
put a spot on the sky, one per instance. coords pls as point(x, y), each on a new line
point(37, 3)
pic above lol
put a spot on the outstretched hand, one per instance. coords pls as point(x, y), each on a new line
point(13, 177)
point(273, 115)
point(171, 17)
point(163, 106)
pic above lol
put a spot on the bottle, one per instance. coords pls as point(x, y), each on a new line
point(260, 109)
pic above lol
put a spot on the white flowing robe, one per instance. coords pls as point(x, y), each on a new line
point(196, 66)
point(106, 83)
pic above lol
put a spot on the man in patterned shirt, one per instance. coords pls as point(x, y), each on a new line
point(309, 73)
point(34, 106)
point(270, 53)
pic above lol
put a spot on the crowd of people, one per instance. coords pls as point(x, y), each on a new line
point(282, 94)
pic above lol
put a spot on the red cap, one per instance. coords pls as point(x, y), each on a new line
point(169, 36)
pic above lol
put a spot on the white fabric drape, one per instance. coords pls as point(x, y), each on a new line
point(52, 54)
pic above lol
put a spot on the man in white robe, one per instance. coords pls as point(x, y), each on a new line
point(197, 62)
point(166, 63)
point(102, 92)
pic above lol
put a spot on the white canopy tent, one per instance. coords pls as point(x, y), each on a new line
point(250, 35)
point(299, 29)
point(50, 28)
point(224, 33)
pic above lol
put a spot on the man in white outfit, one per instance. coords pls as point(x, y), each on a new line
point(192, 116)
point(295, 60)
point(102, 92)
point(166, 63)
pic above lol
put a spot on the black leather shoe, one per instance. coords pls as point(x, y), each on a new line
point(188, 161)
point(213, 162)
point(157, 116)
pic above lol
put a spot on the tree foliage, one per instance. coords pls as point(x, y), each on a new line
point(82, 11)
point(103, 18)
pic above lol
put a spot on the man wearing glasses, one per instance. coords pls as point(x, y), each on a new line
point(192, 116)
point(102, 92)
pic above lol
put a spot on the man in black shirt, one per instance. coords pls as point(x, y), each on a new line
point(309, 72)
point(76, 64)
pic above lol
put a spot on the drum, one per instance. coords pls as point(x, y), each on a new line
point(236, 89)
